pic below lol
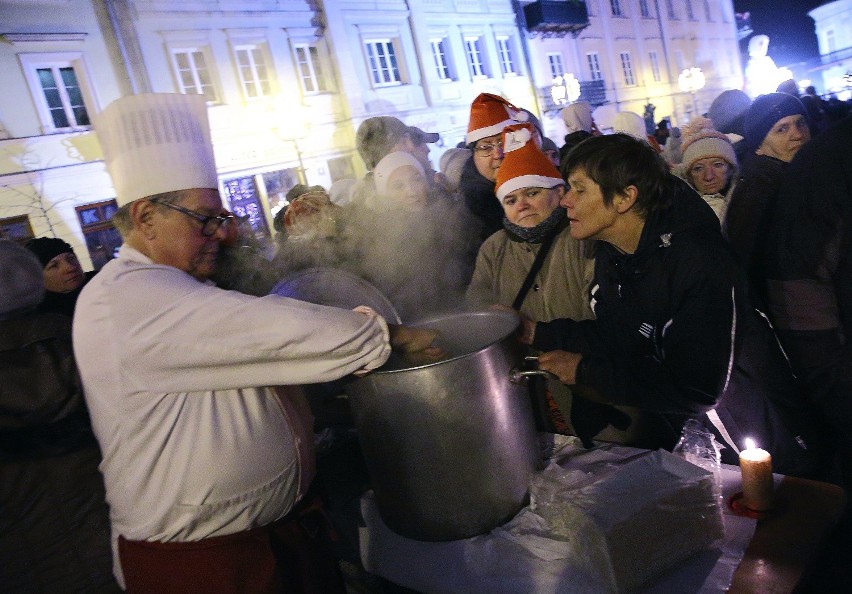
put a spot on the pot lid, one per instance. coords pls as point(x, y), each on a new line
point(336, 288)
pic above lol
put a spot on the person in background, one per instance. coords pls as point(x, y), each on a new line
point(54, 524)
point(452, 162)
point(709, 164)
point(632, 124)
point(776, 127)
point(340, 192)
point(489, 115)
point(550, 150)
point(63, 276)
point(534, 265)
point(674, 334)
point(414, 245)
point(809, 286)
point(728, 112)
point(580, 124)
point(673, 151)
point(663, 132)
point(207, 444)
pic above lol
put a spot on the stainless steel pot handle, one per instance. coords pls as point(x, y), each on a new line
point(516, 376)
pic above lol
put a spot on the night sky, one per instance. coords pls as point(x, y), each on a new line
point(791, 31)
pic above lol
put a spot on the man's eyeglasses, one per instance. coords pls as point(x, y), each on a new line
point(485, 150)
point(209, 223)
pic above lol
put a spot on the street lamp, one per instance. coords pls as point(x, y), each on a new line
point(565, 89)
point(690, 81)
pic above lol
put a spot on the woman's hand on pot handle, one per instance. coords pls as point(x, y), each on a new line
point(562, 364)
point(526, 331)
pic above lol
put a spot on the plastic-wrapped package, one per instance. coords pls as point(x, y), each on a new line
point(699, 446)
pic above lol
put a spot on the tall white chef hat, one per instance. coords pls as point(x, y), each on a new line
point(155, 143)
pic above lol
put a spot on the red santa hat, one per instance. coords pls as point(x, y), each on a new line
point(489, 114)
point(524, 165)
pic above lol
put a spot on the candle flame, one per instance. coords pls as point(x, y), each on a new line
point(750, 445)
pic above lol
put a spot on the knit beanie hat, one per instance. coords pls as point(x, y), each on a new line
point(21, 279)
point(524, 165)
point(452, 162)
point(765, 112)
point(489, 114)
point(701, 141)
point(47, 248)
point(578, 116)
point(728, 110)
point(377, 136)
point(391, 163)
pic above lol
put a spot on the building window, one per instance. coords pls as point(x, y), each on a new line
point(254, 75)
point(627, 69)
point(381, 56)
point(830, 43)
point(644, 9)
point(707, 14)
point(55, 81)
point(192, 74)
point(594, 66)
point(102, 238)
point(556, 66)
point(615, 6)
point(671, 10)
point(689, 13)
point(310, 68)
point(655, 66)
point(442, 62)
point(504, 49)
point(16, 229)
point(475, 58)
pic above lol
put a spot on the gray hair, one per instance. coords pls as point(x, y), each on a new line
point(124, 223)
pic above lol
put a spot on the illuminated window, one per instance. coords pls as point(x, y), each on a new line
point(102, 238)
point(442, 62)
point(381, 56)
point(655, 66)
point(504, 49)
point(627, 69)
point(594, 66)
point(475, 59)
point(55, 81)
point(556, 66)
point(310, 68)
point(254, 75)
point(16, 229)
point(192, 73)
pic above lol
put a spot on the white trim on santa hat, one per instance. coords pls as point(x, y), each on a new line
point(481, 133)
point(527, 181)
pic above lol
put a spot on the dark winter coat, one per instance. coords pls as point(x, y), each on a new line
point(675, 337)
point(480, 201)
point(809, 266)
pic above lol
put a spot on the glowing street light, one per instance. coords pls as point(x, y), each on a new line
point(691, 80)
point(565, 89)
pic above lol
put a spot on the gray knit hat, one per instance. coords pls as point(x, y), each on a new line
point(21, 279)
point(728, 110)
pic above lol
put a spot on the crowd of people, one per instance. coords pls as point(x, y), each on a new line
point(659, 276)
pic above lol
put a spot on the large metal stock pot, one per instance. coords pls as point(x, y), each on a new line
point(450, 446)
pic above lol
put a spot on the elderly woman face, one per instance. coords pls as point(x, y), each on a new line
point(785, 138)
point(710, 175)
point(528, 207)
point(407, 188)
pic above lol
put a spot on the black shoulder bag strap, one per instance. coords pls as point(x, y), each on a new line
point(537, 264)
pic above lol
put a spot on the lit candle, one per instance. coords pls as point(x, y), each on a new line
point(756, 469)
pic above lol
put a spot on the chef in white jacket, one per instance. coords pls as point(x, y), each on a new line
point(203, 461)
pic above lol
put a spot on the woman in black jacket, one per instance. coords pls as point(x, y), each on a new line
point(674, 334)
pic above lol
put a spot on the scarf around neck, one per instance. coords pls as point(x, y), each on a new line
point(539, 232)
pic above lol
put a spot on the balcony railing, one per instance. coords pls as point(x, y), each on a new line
point(593, 91)
point(550, 18)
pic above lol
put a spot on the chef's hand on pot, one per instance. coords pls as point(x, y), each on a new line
point(562, 364)
point(416, 344)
